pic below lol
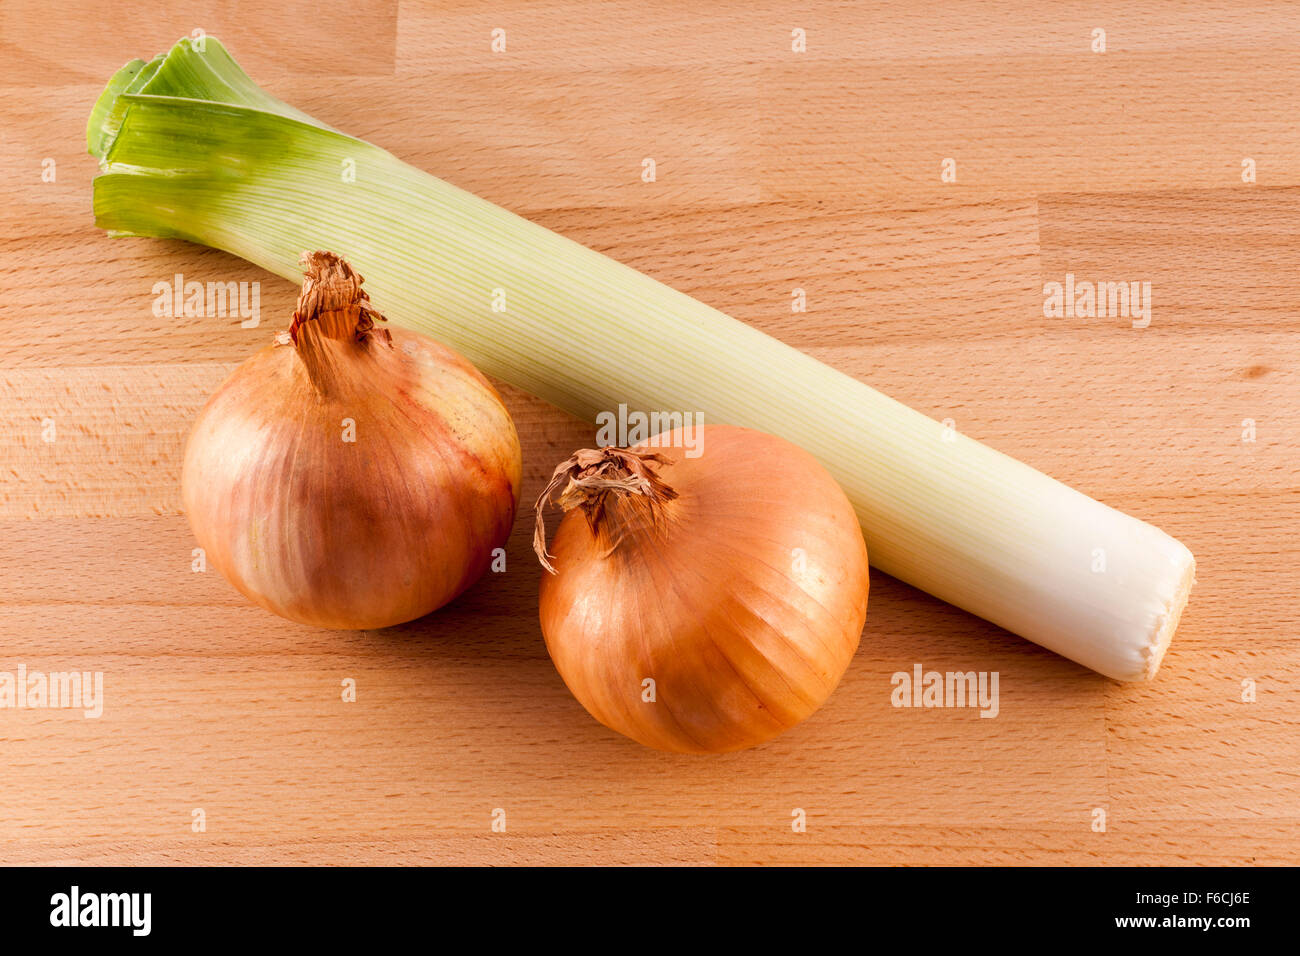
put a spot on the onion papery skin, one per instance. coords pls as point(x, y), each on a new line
point(353, 534)
point(743, 597)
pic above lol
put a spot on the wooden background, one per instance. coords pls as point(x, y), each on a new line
point(776, 169)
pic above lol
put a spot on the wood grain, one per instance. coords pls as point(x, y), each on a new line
point(776, 170)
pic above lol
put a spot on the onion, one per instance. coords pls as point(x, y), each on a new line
point(349, 477)
point(701, 604)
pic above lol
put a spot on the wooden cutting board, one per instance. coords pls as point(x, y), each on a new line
point(821, 170)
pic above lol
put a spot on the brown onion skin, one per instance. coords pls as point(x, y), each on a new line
point(362, 534)
point(702, 601)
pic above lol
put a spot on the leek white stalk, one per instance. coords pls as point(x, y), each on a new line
point(191, 147)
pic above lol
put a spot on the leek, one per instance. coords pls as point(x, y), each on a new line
point(191, 147)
